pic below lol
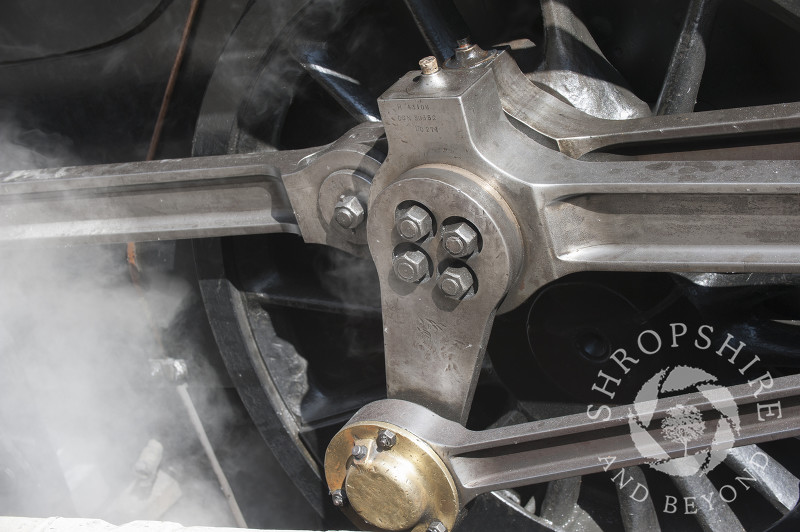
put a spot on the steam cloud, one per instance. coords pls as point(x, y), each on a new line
point(78, 401)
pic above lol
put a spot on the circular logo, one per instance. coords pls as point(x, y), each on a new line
point(683, 423)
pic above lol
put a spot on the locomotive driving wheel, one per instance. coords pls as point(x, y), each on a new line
point(300, 326)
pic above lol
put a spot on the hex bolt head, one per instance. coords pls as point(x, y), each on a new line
point(359, 452)
point(338, 498)
point(460, 239)
point(349, 212)
point(411, 266)
point(437, 526)
point(414, 223)
point(456, 282)
point(386, 439)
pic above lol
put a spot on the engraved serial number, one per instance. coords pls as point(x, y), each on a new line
point(420, 121)
point(416, 118)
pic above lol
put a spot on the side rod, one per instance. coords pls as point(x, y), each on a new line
point(151, 200)
point(568, 446)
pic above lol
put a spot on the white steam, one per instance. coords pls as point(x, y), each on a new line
point(77, 401)
point(23, 148)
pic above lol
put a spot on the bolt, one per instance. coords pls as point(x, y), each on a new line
point(429, 65)
point(463, 43)
point(386, 439)
point(411, 266)
point(338, 498)
point(460, 239)
point(456, 282)
point(349, 212)
point(413, 223)
point(359, 452)
point(437, 526)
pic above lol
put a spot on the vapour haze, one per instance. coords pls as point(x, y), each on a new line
point(78, 401)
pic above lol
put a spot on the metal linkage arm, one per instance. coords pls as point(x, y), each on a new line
point(182, 198)
point(575, 445)
point(268, 192)
point(709, 216)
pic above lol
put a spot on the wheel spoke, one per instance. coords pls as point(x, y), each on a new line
point(560, 505)
point(636, 514)
point(349, 92)
point(716, 517)
point(577, 69)
point(679, 91)
point(772, 480)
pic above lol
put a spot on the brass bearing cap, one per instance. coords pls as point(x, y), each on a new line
point(405, 487)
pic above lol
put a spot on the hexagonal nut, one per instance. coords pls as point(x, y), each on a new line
point(338, 498)
point(386, 439)
point(413, 223)
point(437, 526)
point(460, 239)
point(349, 212)
point(411, 266)
point(359, 452)
point(456, 282)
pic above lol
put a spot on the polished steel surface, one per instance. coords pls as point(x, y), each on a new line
point(575, 68)
point(268, 192)
point(575, 133)
point(184, 198)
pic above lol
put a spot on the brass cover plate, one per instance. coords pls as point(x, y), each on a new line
point(405, 487)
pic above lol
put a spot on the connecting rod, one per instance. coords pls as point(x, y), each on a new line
point(474, 462)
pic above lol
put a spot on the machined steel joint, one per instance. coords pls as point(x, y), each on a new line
point(440, 327)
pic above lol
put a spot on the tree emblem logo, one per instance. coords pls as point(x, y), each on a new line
point(683, 423)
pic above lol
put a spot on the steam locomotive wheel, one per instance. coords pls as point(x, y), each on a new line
point(299, 326)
